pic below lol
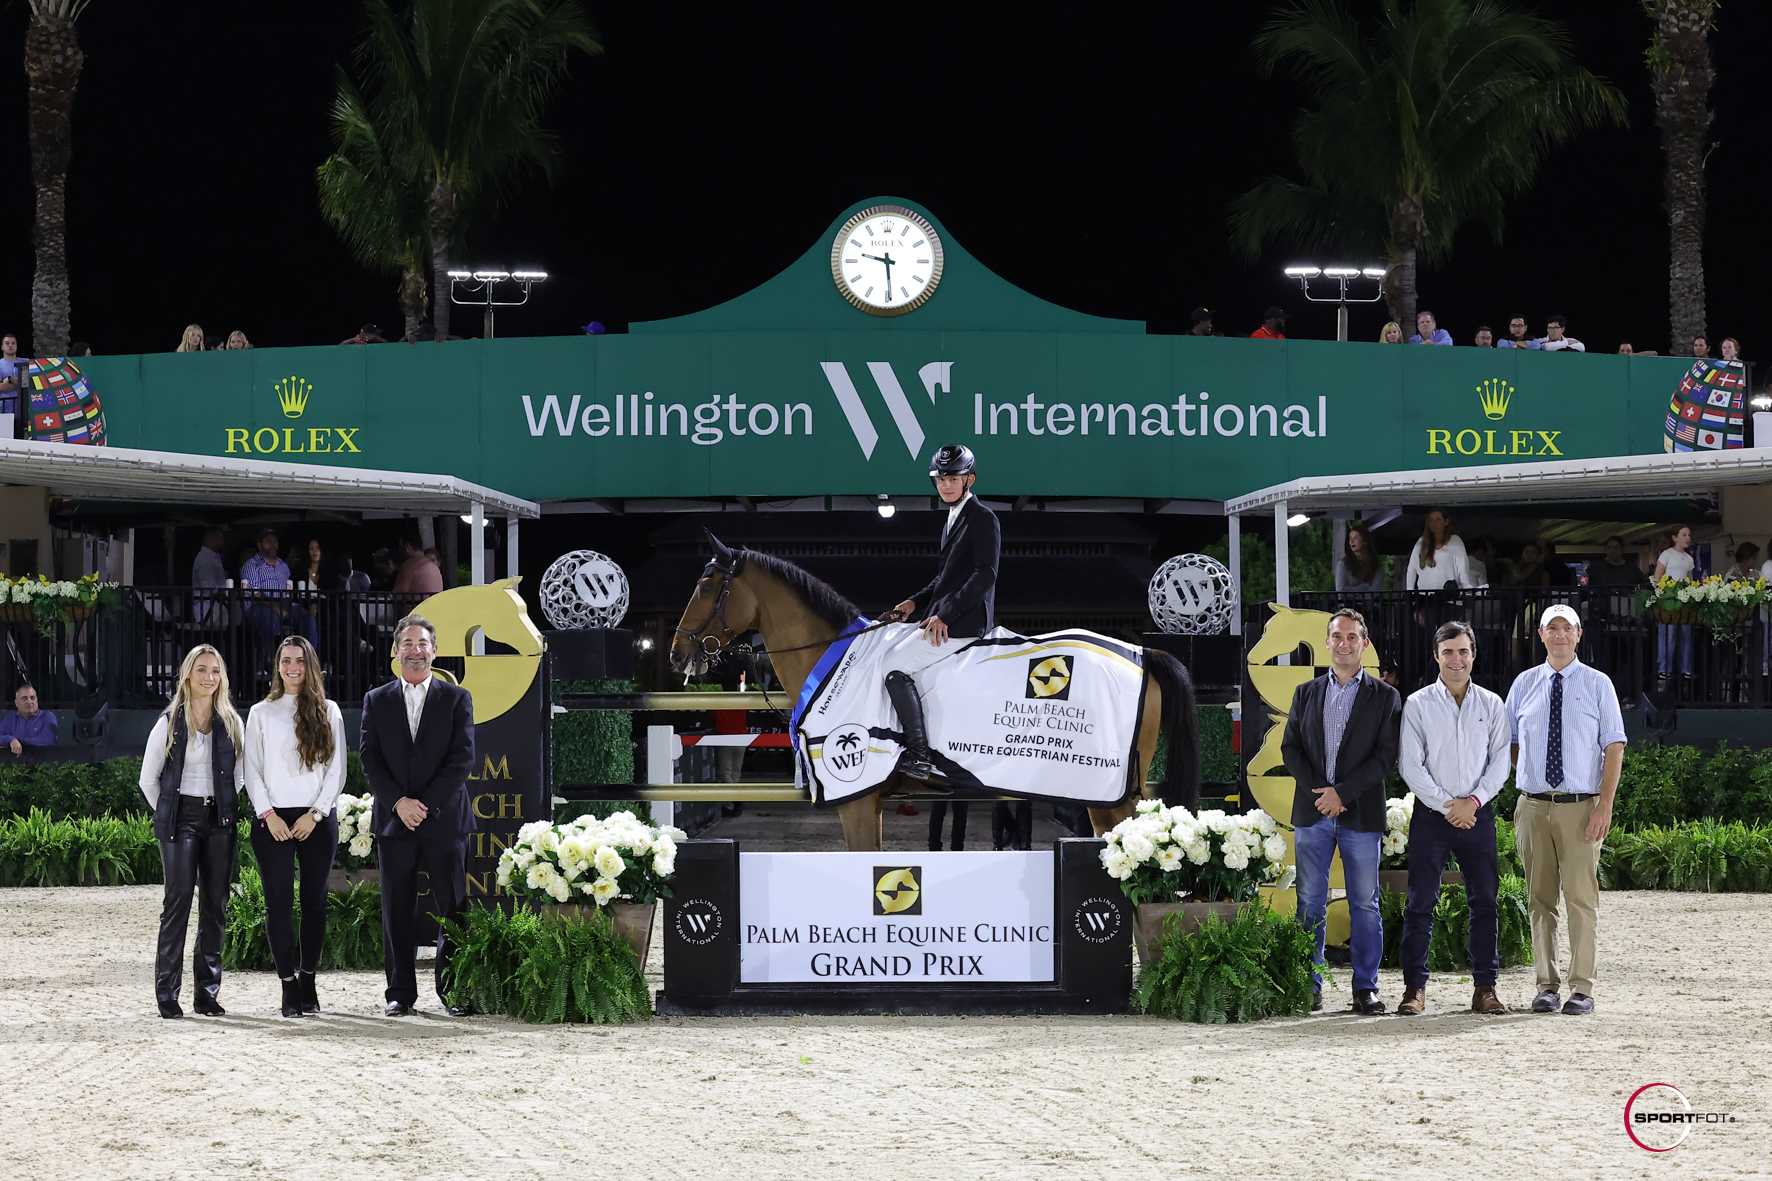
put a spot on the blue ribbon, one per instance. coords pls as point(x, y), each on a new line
point(832, 656)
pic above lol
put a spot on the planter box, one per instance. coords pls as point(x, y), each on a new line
point(633, 921)
point(1148, 928)
point(1397, 880)
point(340, 881)
point(1683, 615)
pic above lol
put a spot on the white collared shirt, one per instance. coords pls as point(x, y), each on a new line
point(954, 515)
point(1448, 751)
point(273, 771)
point(1592, 721)
point(414, 696)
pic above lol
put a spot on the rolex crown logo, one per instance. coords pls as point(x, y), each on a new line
point(1495, 394)
point(292, 395)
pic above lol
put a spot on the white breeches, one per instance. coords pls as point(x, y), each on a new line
point(914, 653)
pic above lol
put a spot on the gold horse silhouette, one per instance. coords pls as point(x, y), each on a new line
point(496, 611)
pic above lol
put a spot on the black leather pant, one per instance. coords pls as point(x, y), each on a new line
point(276, 866)
point(199, 857)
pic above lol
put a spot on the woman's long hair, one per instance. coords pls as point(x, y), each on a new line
point(184, 341)
point(180, 705)
point(1360, 566)
point(1384, 333)
point(1427, 536)
point(313, 729)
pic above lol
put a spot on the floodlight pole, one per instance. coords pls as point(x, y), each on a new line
point(1304, 275)
point(482, 284)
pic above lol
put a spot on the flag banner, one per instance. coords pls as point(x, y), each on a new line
point(1051, 717)
point(63, 406)
point(1709, 401)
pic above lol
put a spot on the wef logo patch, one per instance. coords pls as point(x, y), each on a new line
point(1049, 677)
point(844, 752)
point(898, 889)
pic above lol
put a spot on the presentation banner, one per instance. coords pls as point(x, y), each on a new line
point(826, 918)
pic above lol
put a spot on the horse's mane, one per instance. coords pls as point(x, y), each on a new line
point(819, 597)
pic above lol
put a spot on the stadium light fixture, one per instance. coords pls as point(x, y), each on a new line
point(886, 508)
point(1297, 519)
point(1343, 275)
point(480, 289)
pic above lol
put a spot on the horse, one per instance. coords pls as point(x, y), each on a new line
point(797, 616)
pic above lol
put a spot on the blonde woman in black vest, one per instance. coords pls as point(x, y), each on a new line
point(294, 764)
point(188, 778)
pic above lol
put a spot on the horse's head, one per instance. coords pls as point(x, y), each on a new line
point(721, 610)
point(497, 683)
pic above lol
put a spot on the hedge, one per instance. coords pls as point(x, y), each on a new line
point(1447, 949)
point(39, 850)
point(353, 927)
point(108, 788)
point(1711, 855)
point(594, 745)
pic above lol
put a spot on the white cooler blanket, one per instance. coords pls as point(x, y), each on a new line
point(1053, 716)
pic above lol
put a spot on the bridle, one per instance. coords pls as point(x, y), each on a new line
point(699, 635)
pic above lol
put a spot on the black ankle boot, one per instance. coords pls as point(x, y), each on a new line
point(170, 1008)
point(916, 762)
point(291, 998)
point(310, 1000)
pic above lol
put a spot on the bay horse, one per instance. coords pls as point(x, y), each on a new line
point(798, 617)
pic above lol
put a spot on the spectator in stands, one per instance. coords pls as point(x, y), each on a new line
point(382, 563)
point(1554, 341)
point(1614, 570)
point(208, 571)
point(26, 725)
point(418, 574)
point(1360, 568)
point(192, 341)
point(355, 579)
point(237, 340)
point(1273, 325)
point(1627, 349)
point(1530, 570)
point(1485, 338)
point(1731, 349)
point(80, 349)
point(1391, 333)
point(212, 344)
point(267, 579)
point(1516, 336)
point(431, 554)
point(1202, 326)
point(368, 334)
point(1700, 347)
point(1438, 560)
point(1673, 641)
point(1428, 332)
point(1745, 569)
point(12, 375)
point(317, 570)
point(1477, 556)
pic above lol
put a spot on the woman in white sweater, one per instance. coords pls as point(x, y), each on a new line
point(1439, 559)
point(295, 769)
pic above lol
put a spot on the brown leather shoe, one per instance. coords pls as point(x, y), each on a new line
point(1484, 1000)
point(1414, 1002)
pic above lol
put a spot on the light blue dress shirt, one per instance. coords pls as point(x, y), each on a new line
point(1338, 706)
point(1448, 751)
point(1592, 721)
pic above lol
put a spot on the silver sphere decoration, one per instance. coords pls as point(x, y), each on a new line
point(1191, 595)
point(584, 589)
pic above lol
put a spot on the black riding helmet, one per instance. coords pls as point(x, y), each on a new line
point(955, 459)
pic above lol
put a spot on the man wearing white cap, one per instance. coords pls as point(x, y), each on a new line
point(1568, 749)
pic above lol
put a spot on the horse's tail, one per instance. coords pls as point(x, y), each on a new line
point(1180, 728)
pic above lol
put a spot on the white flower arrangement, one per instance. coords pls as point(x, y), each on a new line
point(1161, 854)
point(356, 834)
point(1394, 847)
point(45, 603)
point(1719, 604)
point(620, 858)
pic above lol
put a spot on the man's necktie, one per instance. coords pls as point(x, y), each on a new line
point(1553, 737)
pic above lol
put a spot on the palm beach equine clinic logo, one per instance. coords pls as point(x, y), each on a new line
point(898, 889)
point(844, 752)
point(1494, 395)
point(1658, 1117)
point(1049, 677)
point(293, 394)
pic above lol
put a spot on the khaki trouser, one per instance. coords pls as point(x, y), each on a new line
point(1558, 858)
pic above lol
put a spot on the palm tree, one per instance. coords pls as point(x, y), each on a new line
point(460, 88)
point(1432, 122)
point(378, 211)
point(1681, 73)
point(52, 63)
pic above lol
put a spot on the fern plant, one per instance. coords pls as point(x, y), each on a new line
point(1257, 966)
point(548, 970)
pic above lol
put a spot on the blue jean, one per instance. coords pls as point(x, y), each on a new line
point(1669, 638)
point(1359, 866)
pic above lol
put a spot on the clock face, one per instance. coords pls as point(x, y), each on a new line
point(886, 260)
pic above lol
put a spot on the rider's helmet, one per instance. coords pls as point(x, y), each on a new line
point(955, 459)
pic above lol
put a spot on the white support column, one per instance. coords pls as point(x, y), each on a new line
point(1236, 564)
point(511, 566)
point(477, 544)
point(663, 749)
point(1282, 557)
point(1337, 543)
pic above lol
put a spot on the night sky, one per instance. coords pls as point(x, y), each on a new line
point(198, 127)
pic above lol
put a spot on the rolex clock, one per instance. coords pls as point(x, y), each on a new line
point(886, 260)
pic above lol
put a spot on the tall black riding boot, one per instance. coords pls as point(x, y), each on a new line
point(916, 762)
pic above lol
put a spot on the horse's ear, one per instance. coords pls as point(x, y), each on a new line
point(722, 555)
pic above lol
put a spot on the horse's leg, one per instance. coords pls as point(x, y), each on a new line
point(863, 824)
point(1149, 726)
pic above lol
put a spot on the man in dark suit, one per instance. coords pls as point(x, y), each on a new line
point(418, 747)
point(1340, 743)
point(961, 600)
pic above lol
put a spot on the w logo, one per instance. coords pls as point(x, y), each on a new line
point(1097, 920)
point(932, 375)
point(699, 922)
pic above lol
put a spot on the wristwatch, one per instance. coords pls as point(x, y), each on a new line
point(319, 816)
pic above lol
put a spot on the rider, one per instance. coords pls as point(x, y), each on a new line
point(961, 600)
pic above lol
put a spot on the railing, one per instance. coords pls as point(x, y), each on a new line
point(1616, 639)
point(131, 656)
